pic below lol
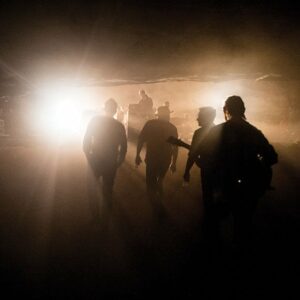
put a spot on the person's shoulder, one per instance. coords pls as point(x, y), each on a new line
point(252, 128)
point(215, 132)
point(249, 125)
point(251, 131)
point(240, 123)
point(116, 123)
point(198, 132)
point(152, 122)
point(201, 130)
point(171, 128)
point(95, 120)
point(149, 125)
point(172, 125)
point(217, 128)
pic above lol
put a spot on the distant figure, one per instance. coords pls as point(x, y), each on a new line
point(160, 155)
point(167, 105)
point(145, 103)
point(105, 147)
point(238, 158)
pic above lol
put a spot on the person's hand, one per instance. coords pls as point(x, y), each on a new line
point(173, 168)
point(138, 160)
point(186, 177)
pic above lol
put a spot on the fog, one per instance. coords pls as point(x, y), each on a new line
point(59, 62)
point(271, 105)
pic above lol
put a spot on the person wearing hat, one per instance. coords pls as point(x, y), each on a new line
point(238, 158)
point(105, 147)
point(160, 155)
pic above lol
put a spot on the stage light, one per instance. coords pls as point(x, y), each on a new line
point(61, 112)
point(217, 95)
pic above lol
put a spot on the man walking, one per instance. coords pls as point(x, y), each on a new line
point(160, 155)
point(238, 158)
point(205, 119)
point(105, 147)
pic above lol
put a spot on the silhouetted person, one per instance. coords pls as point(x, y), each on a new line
point(145, 103)
point(105, 147)
point(160, 155)
point(167, 105)
point(238, 158)
point(206, 117)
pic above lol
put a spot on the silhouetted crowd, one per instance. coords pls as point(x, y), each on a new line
point(234, 157)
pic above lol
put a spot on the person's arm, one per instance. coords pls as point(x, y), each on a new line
point(190, 161)
point(268, 152)
point(141, 141)
point(87, 140)
point(174, 155)
point(206, 152)
point(188, 166)
point(123, 146)
point(88, 143)
point(150, 103)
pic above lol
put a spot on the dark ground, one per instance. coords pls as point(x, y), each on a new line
point(50, 248)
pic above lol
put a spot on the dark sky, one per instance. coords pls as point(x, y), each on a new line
point(137, 39)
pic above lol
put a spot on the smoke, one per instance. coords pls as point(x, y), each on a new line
point(272, 106)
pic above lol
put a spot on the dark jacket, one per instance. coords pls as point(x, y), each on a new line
point(238, 156)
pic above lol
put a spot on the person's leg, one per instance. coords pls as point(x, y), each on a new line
point(243, 212)
point(159, 207)
point(108, 183)
point(151, 181)
point(162, 171)
point(211, 222)
point(154, 189)
point(94, 192)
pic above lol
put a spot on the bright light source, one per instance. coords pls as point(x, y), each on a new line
point(62, 110)
point(217, 95)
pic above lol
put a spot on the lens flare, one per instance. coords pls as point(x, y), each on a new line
point(62, 110)
point(218, 93)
